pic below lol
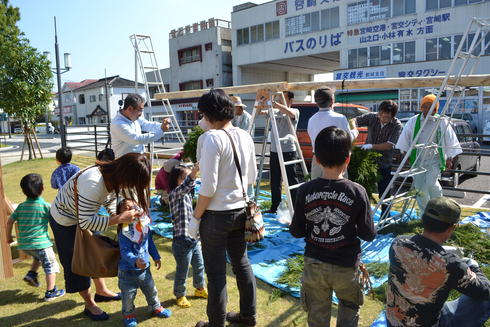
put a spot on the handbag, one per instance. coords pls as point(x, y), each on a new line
point(93, 255)
point(254, 223)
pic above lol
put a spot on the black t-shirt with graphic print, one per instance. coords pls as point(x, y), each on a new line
point(421, 276)
point(332, 215)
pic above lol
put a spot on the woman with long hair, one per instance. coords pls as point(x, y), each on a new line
point(97, 186)
point(220, 209)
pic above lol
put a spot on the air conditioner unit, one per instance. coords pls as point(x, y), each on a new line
point(211, 22)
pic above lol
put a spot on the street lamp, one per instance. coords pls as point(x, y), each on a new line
point(58, 71)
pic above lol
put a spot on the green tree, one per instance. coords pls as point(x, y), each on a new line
point(25, 76)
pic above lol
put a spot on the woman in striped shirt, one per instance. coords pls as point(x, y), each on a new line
point(97, 186)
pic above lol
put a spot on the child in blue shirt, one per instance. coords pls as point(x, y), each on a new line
point(136, 246)
point(65, 171)
point(186, 250)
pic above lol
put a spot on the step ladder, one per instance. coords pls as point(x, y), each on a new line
point(146, 62)
point(264, 104)
point(464, 63)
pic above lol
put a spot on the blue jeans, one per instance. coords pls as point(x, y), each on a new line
point(129, 282)
point(187, 251)
point(222, 232)
point(464, 311)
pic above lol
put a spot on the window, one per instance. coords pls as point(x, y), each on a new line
point(189, 55)
point(396, 53)
point(190, 85)
point(444, 47)
point(437, 4)
point(403, 52)
point(357, 12)
point(398, 50)
point(374, 56)
point(208, 46)
point(362, 57)
point(403, 7)
point(352, 58)
point(101, 97)
point(431, 49)
point(81, 98)
point(329, 18)
point(226, 42)
point(209, 82)
point(385, 55)
point(242, 36)
point(272, 30)
point(486, 46)
point(257, 33)
point(410, 51)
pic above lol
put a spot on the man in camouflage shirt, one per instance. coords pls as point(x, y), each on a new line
point(422, 274)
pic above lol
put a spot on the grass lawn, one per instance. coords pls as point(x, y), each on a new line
point(22, 305)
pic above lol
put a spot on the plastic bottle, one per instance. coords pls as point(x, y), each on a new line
point(283, 213)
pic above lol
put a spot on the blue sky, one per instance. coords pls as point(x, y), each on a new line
point(96, 33)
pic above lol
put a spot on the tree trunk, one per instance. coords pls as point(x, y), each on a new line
point(37, 144)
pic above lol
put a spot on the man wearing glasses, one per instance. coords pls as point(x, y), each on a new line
point(127, 127)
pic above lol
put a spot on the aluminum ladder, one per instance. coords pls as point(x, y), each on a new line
point(464, 63)
point(146, 61)
point(264, 102)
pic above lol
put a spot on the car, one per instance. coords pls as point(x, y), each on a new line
point(486, 131)
point(17, 130)
point(406, 114)
point(308, 109)
point(468, 161)
point(467, 117)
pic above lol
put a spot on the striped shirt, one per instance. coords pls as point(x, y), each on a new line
point(32, 218)
point(180, 200)
point(92, 194)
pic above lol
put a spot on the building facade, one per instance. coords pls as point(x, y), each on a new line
point(293, 40)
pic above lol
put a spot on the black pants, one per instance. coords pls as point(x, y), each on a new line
point(383, 184)
point(276, 178)
point(222, 232)
point(64, 238)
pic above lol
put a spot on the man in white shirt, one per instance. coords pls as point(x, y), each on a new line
point(325, 117)
point(242, 117)
point(436, 158)
point(128, 124)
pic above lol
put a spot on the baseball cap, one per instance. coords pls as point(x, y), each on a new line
point(443, 209)
point(237, 101)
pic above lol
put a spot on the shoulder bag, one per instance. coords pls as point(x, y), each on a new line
point(254, 223)
point(93, 255)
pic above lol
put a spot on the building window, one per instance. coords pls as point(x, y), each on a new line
point(301, 24)
point(403, 7)
point(242, 36)
point(438, 4)
point(190, 85)
point(208, 46)
point(439, 48)
point(272, 30)
point(257, 33)
point(467, 44)
point(369, 10)
point(209, 82)
point(189, 55)
point(329, 18)
point(81, 98)
point(101, 97)
point(226, 42)
point(396, 53)
point(92, 98)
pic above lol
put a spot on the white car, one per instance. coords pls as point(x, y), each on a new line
point(486, 131)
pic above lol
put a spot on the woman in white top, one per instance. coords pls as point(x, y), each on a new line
point(220, 209)
point(97, 186)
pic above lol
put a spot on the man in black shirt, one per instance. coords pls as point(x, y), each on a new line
point(422, 274)
point(332, 213)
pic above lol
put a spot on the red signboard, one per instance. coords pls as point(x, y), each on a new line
point(281, 8)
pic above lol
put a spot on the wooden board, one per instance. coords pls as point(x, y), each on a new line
point(380, 83)
point(6, 267)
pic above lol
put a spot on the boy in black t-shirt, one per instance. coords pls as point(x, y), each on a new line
point(332, 213)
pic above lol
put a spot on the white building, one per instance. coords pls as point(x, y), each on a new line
point(70, 101)
point(200, 57)
point(93, 100)
point(292, 40)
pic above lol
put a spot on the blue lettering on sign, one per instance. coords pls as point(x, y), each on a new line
point(310, 3)
point(398, 29)
point(421, 72)
point(299, 4)
point(311, 43)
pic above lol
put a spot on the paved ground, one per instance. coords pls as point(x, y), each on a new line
point(49, 144)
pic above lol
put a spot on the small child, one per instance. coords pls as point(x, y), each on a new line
point(332, 213)
point(185, 249)
point(32, 217)
point(65, 171)
point(161, 180)
point(136, 244)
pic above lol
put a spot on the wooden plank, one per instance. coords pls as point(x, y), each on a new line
point(6, 266)
point(251, 88)
point(379, 83)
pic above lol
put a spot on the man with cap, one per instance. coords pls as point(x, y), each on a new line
point(242, 117)
point(127, 127)
point(438, 157)
point(422, 274)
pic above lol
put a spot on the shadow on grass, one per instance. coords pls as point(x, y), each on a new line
point(41, 312)
point(17, 296)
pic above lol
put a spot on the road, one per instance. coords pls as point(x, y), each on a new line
point(49, 144)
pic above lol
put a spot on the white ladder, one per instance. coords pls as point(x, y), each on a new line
point(267, 104)
point(146, 60)
point(460, 66)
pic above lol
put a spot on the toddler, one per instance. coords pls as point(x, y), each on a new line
point(186, 250)
point(136, 245)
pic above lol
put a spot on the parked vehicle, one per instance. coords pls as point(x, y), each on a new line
point(308, 109)
point(468, 118)
point(406, 114)
point(469, 160)
point(41, 128)
point(486, 131)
